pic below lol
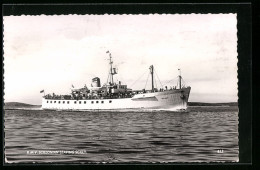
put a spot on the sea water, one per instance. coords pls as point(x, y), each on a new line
point(200, 134)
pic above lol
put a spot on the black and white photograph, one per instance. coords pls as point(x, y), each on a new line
point(146, 88)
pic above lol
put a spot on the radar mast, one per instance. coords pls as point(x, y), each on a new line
point(112, 70)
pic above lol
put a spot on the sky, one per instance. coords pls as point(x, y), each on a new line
point(55, 52)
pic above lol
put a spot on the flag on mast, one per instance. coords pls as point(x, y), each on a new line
point(72, 86)
point(41, 91)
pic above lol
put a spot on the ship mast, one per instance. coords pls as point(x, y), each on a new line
point(179, 78)
point(111, 72)
point(151, 71)
point(111, 68)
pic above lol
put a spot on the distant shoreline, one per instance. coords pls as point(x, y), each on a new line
point(18, 105)
point(212, 104)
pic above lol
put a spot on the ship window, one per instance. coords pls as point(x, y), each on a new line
point(54, 101)
point(96, 101)
point(110, 101)
point(59, 102)
point(92, 102)
point(68, 102)
point(51, 101)
point(102, 101)
point(47, 101)
point(80, 102)
point(63, 102)
point(75, 102)
point(85, 102)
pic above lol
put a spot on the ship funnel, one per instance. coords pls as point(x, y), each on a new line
point(96, 82)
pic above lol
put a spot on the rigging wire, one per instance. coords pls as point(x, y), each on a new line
point(158, 78)
point(108, 76)
point(146, 80)
point(155, 83)
point(170, 80)
point(138, 79)
point(183, 84)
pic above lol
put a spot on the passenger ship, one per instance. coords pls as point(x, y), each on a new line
point(114, 95)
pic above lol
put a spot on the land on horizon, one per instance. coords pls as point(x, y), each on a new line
point(16, 105)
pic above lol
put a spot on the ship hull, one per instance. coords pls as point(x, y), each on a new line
point(176, 99)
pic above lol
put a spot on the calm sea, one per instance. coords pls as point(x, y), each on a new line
point(201, 134)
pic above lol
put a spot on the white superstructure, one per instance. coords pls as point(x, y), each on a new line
point(175, 99)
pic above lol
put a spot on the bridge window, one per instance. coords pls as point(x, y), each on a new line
point(75, 102)
point(102, 102)
point(92, 102)
point(85, 102)
point(63, 102)
point(79, 102)
point(51, 101)
point(59, 102)
point(68, 102)
point(47, 101)
point(110, 101)
point(54, 101)
point(96, 101)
